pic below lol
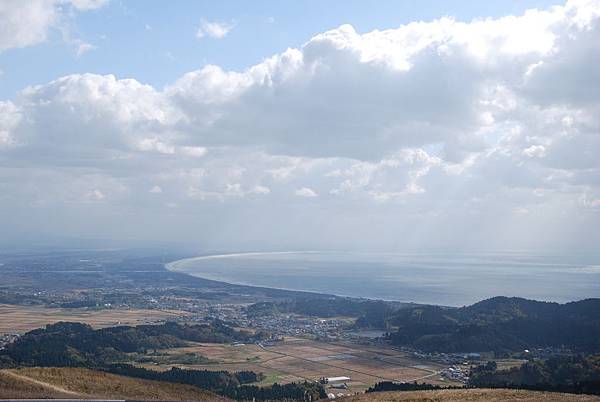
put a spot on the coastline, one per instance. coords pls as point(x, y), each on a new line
point(172, 266)
point(415, 292)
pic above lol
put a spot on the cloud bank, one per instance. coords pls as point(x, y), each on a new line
point(398, 138)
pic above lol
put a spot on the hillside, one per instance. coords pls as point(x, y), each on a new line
point(78, 345)
point(499, 324)
point(471, 395)
point(575, 374)
point(89, 384)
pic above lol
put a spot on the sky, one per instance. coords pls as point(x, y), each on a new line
point(236, 125)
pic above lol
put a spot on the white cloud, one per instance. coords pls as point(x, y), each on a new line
point(214, 29)
point(83, 47)
point(153, 144)
point(445, 80)
point(535, 151)
point(10, 117)
point(196, 152)
point(261, 190)
point(306, 192)
point(27, 23)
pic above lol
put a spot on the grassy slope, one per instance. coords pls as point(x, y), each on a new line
point(472, 395)
point(84, 383)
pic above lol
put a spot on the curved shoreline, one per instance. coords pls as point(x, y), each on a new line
point(172, 266)
point(424, 293)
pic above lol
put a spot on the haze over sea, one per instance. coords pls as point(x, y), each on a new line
point(443, 279)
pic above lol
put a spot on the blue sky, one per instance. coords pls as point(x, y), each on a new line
point(155, 41)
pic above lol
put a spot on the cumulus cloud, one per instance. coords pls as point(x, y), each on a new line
point(214, 29)
point(429, 126)
point(27, 23)
point(422, 83)
point(9, 121)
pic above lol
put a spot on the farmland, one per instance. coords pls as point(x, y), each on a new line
point(298, 359)
point(25, 318)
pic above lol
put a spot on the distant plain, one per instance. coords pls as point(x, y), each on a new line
point(26, 318)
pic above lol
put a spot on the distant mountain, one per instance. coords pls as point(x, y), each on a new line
point(499, 324)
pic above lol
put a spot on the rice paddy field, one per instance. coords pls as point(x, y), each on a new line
point(297, 359)
point(21, 319)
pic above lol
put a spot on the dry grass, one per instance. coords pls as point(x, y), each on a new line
point(25, 318)
point(88, 384)
point(472, 395)
point(11, 387)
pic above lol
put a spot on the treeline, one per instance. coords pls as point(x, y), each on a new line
point(304, 391)
point(325, 306)
point(499, 324)
point(402, 386)
point(232, 385)
point(571, 374)
point(216, 381)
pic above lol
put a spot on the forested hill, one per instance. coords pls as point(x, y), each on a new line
point(498, 324)
point(574, 374)
point(71, 344)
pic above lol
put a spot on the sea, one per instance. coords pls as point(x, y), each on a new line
point(443, 279)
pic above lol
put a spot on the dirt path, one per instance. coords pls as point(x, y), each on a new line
point(42, 383)
point(424, 377)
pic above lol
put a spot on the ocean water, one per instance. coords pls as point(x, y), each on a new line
point(444, 279)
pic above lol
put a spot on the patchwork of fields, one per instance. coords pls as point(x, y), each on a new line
point(25, 318)
point(298, 359)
